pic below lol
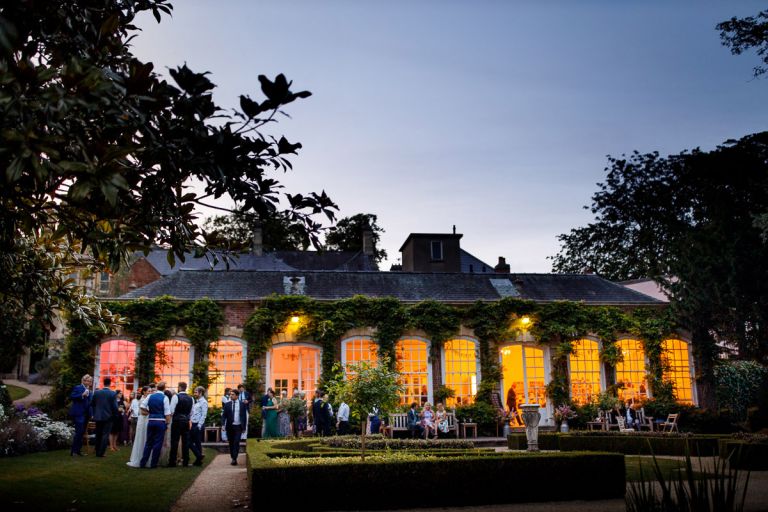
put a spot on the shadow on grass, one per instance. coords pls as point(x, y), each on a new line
point(57, 481)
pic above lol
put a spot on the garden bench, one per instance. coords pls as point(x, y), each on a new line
point(398, 422)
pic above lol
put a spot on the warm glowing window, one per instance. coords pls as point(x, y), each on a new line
point(294, 367)
point(523, 374)
point(173, 363)
point(461, 370)
point(359, 350)
point(677, 368)
point(631, 370)
point(225, 369)
point(585, 371)
point(411, 358)
point(117, 360)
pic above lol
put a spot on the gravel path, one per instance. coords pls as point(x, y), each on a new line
point(36, 391)
point(219, 487)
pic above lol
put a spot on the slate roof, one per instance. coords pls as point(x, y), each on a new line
point(278, 260)
point(241, 285)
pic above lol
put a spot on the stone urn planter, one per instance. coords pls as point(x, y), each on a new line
point(564, 426)
point(531, 418)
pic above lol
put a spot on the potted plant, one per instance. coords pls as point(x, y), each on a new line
point(563, 413)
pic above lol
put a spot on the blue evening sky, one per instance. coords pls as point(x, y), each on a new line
point(495, 116)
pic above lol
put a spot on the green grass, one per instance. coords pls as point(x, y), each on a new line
point(669, 467)
point(17, 392)
point(57, 481)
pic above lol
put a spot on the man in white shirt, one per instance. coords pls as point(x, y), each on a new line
point(159, 408)
point(342, 419)
point(197, 420)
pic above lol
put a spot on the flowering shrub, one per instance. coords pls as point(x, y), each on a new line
point(30, 430)
point(564, 412)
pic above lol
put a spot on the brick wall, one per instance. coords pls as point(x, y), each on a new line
point(140, 274)
point(236, 314)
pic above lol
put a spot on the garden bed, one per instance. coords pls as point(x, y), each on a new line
point(427, 478)
point(745, 455)
point(626, 443)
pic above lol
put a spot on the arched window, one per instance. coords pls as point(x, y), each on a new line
point(524, 375)
point(173, 363)
point(226, 368)
point(585, 371)
point(411, 356)
point(631, 370)
point(117, 360)
point(676, 359)
point(294, 366)
point(359, 350)
point(460, 365)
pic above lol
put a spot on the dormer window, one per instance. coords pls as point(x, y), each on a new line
point(436, 250)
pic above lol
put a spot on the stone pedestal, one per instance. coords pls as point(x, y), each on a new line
point(531, 418)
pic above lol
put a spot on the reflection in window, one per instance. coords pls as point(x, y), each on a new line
point(359, 350)
point(461, 371)
point(631, 371)
point(677, 368)
point(173, 363)
point(225, 369)
point(294, 367)
point(117, 360)
point(523, 374)
point(585, 371)
point(411, 360)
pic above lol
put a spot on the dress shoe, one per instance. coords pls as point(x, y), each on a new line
point(197, 463)
point(233, 463)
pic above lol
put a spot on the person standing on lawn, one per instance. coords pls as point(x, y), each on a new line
point(181, 409)
point(235, 415)
point(104, 407)
point(159, 409)
point(199, 412)
point(81, 401)
point(342, 419)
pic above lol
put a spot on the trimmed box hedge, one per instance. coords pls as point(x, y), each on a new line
point(628, 444)
point(743, 455)
point(493, 478)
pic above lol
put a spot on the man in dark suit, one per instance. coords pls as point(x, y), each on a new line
point(104, 408)
point(81, 401)
point(181, 410)
point(235, 415)
point(414, 421)
point(318, 413)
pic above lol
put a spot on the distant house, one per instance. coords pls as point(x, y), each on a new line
point(434, 267)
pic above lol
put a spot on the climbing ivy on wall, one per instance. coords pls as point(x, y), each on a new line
point(557, 323)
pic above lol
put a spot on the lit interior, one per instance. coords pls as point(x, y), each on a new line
point(461, 371)
point(225, 369)
point(294, 367)
point(359, 350)
point(523, 370)
point(172, 363)
point(585, 371)
point(117, 360)
point(411, 360)
point(631, 371)
point(677, 368)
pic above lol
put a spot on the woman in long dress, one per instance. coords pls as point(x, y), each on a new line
point(283, 418)
point(271, 429)
point(140, 438)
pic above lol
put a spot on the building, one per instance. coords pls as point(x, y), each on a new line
point(435, 268)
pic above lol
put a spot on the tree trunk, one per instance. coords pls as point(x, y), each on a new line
point(362, 437)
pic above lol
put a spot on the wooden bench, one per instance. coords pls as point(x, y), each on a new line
point(398, 422)
point(453, 425)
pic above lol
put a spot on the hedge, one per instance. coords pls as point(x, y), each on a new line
point(628, 444)
point(743, 455)
point(503, 478)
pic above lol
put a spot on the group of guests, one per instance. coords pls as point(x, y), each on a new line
point(427, 421)
point(158, 420)
point(628, 411)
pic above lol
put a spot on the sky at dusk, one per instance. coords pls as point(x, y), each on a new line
point(494, 116)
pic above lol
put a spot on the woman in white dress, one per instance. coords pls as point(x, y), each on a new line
point(141, 431)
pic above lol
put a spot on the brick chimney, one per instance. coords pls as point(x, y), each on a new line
point(502, 267)
point(257, 247)
point(368, 242)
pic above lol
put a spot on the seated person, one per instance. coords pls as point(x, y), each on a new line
point(428, 420)
point(414, 421)
point(441, 420)
point(631, 415)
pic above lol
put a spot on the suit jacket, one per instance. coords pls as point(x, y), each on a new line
point(228, 414)
point(80, 405)
point(413, 418)
point(246, 396)
point(103, 405)
point(318, 414)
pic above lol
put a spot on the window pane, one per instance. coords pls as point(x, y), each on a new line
point(294, 367)
point(631, 371)
point(172, 363)
point(677, 368)
point(523, 373)
point(585, 371)
point(411, 363)
point(117, 360)
point(461, 371)
point(359, 350)
point(225, 369)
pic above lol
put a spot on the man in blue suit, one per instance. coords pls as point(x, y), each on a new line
point(104, 408)
point(81, 401)
point(236, 419)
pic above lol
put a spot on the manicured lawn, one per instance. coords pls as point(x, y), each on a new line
point(668, 467)
point(57, 481)
point(17, 392)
